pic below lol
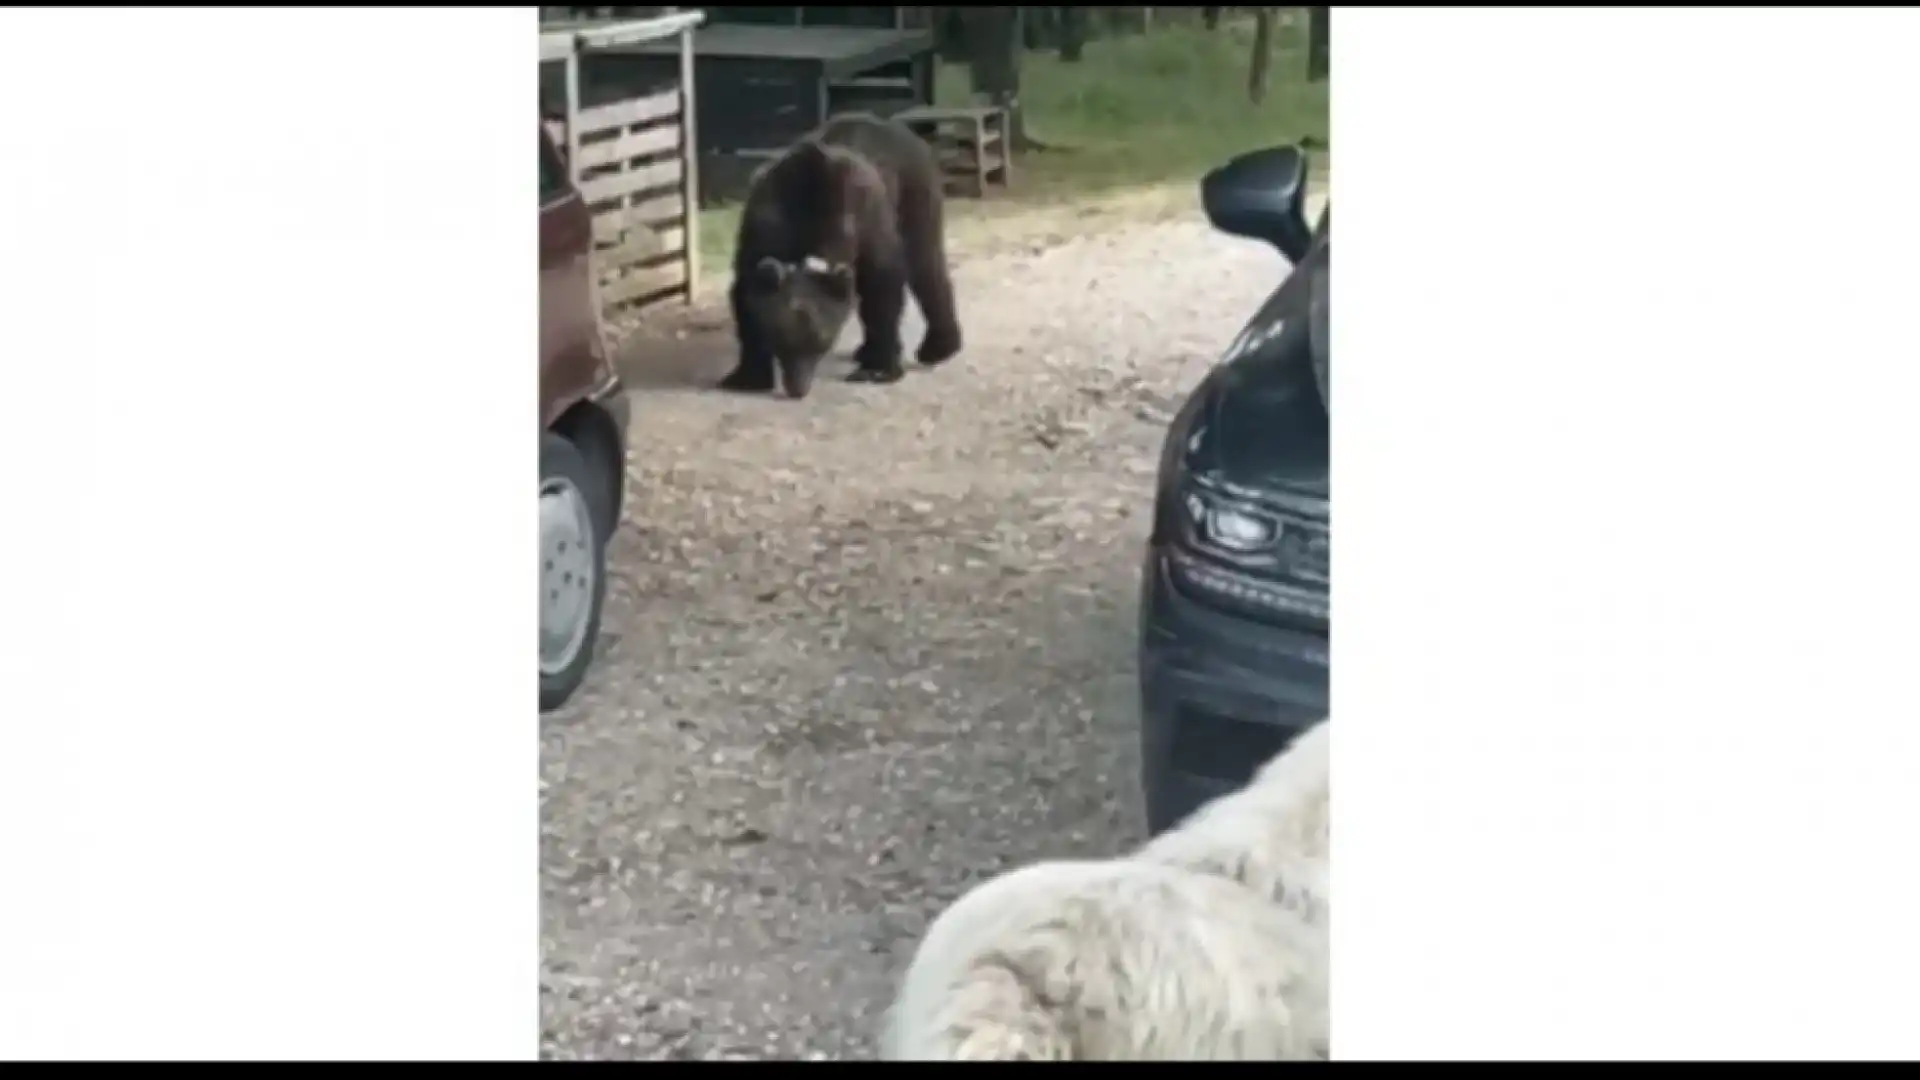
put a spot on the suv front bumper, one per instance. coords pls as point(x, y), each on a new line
point(1219, 696)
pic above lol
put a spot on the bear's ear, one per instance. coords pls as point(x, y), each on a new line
point(769, 273)
point(834, 278)
point(839, 281)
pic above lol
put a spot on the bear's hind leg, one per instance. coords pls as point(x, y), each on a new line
point(883, 300)
point(754, 373)
point(924, 246)
point(933, 291)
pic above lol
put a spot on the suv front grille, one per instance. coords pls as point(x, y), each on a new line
point(1224, 589)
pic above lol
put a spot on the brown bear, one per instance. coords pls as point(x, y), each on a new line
point(850, 214)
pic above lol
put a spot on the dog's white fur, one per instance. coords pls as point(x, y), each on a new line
point(1208, 943)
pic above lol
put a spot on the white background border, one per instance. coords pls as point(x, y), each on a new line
point(1626, 573)
point(268, 773)
point(1624, 497)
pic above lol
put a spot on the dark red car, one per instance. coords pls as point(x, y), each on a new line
point(583, 438)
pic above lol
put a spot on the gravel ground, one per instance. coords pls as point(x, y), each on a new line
point(864, 650)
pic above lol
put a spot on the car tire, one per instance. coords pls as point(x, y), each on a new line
point(604, 452)
point(573, 568)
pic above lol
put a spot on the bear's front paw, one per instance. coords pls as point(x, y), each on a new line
point(877, 364)
point(939, 346)
point(746, 380)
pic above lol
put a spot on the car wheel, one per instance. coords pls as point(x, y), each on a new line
point(573, 569)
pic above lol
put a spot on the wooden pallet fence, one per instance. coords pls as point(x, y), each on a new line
point(632, 172)
point(970, 142)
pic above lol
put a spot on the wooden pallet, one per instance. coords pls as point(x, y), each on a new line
point(970, 141)
point(632, 174)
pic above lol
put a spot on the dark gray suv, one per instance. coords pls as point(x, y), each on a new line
point(1233, 613)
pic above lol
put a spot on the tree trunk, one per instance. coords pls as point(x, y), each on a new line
point(993, 47)
point(1317, 44)
point(950, 34)
point(1073, 33)
point(1210, 17)
point(1262, 54)
point(1039, 27)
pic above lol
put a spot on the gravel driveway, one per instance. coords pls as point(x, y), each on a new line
point(865, 650)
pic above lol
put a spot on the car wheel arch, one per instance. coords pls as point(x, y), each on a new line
point(593, 431)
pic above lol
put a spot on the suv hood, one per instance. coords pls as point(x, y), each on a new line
point(1263, 425)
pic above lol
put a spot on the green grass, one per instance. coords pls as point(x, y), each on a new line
point(1137, 111)
point(1157, 107)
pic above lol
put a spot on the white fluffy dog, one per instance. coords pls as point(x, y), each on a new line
point(1209, 943)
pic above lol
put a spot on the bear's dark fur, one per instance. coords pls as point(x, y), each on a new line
point(850, 214)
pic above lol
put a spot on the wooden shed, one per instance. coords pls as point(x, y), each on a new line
point(632, 152)
point(872, 17)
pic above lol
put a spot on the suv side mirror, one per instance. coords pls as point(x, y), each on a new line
point(1261, 195)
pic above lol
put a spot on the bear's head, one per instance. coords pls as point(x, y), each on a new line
point(800, 308)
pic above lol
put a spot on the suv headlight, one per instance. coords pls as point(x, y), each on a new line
point(1251, 557)
point(1228, 527)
